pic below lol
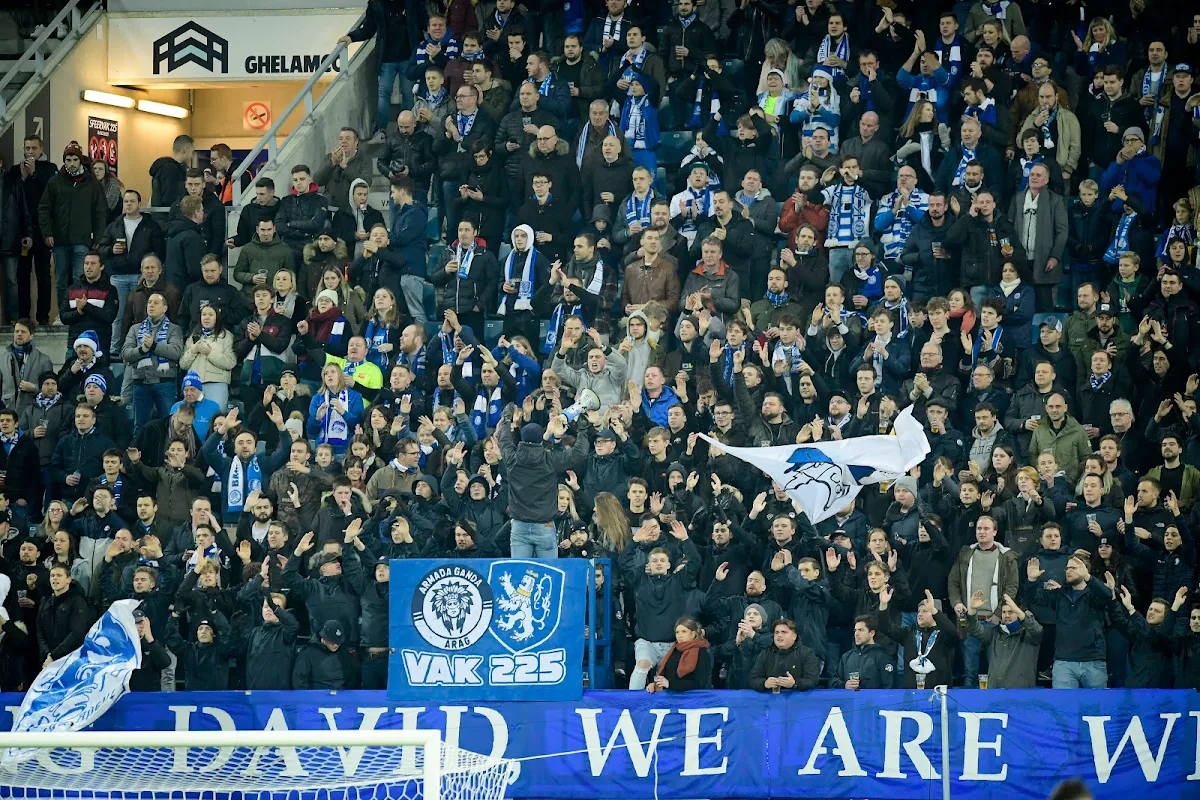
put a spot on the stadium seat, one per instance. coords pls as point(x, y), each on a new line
point(492, 328)
point(435, 255)
point(1039, 318)
point(734, 67)
point(433, 231)
point(675, 145)
point(660, 181)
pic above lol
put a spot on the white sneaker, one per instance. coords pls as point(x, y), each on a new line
point(379, 138)
point(58, 323)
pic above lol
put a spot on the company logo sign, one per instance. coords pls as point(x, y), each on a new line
point(191, 43)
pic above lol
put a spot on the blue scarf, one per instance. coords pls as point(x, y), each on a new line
point(923, 651)
point(1097, 382)
point(997, 10)
point(841, 50)
point(849, 208)
point(415, 362)
point(469, 57)
point(685, 21)
point(896, 234)
point(777, 300)
point(485, 415)
point(633, 121)
point(465, 123)
point(635, 66)
point(439, 399)
point(1150, 89)
point(1185, 232)
point(377, 334)
point(949, 56)
point(789, 353)
point(544, 86)
point(525, 292)
point(160, 337)
point(1120, 240)
point(556, 322)
point(116, 487)
point(464, 257)
point(336, 431)
point(700, 116)
point(241, 481)
point(728, 366)
point(903, 323)
point(435, 99)
point(999, 332)
point(11, 441)
point(581, 145)
point(447, 342)
point(961, 169)
point(704, 195)
point(639, 210)
point(1047, 129)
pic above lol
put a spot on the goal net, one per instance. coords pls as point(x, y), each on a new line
point(280, 765)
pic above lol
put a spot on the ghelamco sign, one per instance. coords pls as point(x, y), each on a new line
point(149, 48)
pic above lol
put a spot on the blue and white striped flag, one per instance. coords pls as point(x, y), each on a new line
point(74, 691)
point(824, 477)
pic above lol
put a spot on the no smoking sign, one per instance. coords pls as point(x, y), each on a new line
point(256, 116)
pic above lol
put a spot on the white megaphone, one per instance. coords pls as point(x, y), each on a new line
point(585, 401)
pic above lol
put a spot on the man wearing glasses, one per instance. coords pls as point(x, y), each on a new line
point(462, 130)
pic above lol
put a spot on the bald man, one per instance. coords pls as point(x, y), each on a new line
point(551, 156)
point(408, 152)
point(874, 155)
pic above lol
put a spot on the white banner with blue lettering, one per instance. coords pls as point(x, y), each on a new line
point(483, 629)
point(622, 745)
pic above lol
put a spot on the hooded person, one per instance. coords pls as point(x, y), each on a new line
point(523, 270)
point(639, 121)
point(353, 223)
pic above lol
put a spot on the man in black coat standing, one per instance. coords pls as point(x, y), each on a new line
point(16, 235)
point(33, 174)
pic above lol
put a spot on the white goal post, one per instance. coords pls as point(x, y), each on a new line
point(365, 765)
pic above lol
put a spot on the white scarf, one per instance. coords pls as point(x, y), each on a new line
point(525, 293)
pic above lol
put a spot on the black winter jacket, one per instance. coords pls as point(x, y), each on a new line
point(147, 238)
point(985, 247)
point(270, 650)
point(16, 223)
point(876, 669)
point(799, 661)
point(63, 621)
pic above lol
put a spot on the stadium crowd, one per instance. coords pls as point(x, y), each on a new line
point(770, 223)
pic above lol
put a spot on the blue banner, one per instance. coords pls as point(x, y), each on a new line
point(483, 629)
point(623, 745)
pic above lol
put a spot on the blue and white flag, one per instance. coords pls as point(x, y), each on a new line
point(824, 477)
point(74, 691)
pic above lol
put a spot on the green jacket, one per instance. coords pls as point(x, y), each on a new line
point(73, 210)
point(1069, 444)
point(1191, 486)
point(257, 256)
point(1076, 331)
point(1091, 343)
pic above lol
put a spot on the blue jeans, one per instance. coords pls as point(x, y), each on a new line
point(841, 259)
point(68, 262)
point(124, 284)
point(413, 287)
point(1080, 675)
point(533, 540)
point(388, 72)
point(152, 400)
point(973, 655)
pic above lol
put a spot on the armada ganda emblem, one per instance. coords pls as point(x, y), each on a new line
point(452, 607)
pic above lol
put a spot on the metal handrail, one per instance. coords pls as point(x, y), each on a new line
point(303, 96)
point(34, 51)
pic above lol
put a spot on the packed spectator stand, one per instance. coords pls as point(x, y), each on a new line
point(769, 223)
